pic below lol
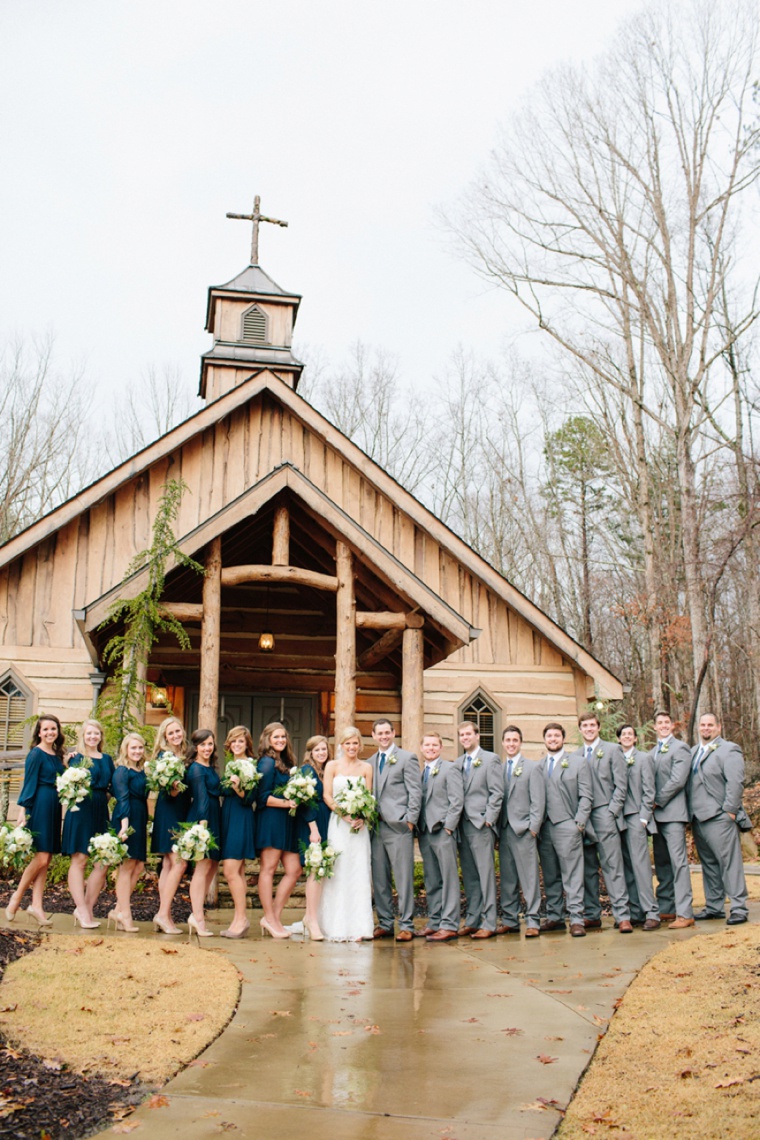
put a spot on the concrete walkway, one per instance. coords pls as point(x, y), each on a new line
point(379, 1041)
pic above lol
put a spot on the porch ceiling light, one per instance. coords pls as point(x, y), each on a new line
point(266, 641)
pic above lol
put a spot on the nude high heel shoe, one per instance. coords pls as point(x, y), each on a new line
point(121, 923)
point(267, 929)
point(314, 937)
point(240, 933)
point(40, 918)
point(85, 925)
point(194, 929)
point(164, 926)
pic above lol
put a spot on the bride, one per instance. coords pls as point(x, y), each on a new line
point(345, 909)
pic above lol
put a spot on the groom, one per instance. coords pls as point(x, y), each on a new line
point(397, 784)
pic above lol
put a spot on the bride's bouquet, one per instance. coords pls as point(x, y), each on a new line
point(355, 799)
point(16, 846)
point(319, 860)
point(73, 787)
point(164, 771)
point(108, 849)
point(246, 771)
point(300, 789)
point(194, 842)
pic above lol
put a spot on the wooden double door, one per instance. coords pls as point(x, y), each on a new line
point(255, 710)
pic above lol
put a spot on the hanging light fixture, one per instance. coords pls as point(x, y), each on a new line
point(266, 637)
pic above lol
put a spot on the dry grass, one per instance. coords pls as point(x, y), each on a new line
point(682, 1055)
point(753, 890)
point(116, 1007)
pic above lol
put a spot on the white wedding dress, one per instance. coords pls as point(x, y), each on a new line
point(345, 908)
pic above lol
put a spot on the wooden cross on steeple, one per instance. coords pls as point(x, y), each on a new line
point(256, 217)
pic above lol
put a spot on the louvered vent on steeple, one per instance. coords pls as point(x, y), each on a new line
point(254, 329)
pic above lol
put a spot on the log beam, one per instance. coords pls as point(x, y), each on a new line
point(281, 537)
point(382, 647)
point(345, 639)
point(208, 698)
point(182, 611)
point(236, 575)
point(370, 619)
point(412, 689)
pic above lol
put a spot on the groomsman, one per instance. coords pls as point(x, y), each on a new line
point(638, 811)
point(522, 814)
point(715, 788)
point(672, 763)
point(483, 794)
point(569, 795)
point(442, 800)
point(601, 842)
point(398, 789)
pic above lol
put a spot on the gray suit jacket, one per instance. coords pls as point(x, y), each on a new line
point(569, 793)
point(398, 789)
point(524, 803)
point(608, 777)
point(639, 798)
point(483, 788)
point(443, 798)
point(718, 783)
point(671, 774)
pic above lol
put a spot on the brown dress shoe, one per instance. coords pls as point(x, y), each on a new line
point(381, 932)
point(578, 930)
point(507, 929)
point(463, 930)
point(652, 924)
point(443, 936)
point(404, 936)
point(592, 923)
point(667, 917)
point(425, 931)
point(484, 934)
point(552, 924)
point(625, 927)
point(680, 923)
point(532, 932)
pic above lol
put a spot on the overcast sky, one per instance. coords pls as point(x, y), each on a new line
point(129, 130)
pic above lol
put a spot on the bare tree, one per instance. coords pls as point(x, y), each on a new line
point(149, 408)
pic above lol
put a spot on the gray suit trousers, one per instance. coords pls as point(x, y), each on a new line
point(518, 862)
point(560, 850)
point(671, 864)
point(476, 847)
point(393, 851)
point(720, 854)
point(608, 852)
point(638, 870)
point(439, 859)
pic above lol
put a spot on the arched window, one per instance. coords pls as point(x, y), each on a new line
point(254, 326)
point(15, 702)
point(482, 712)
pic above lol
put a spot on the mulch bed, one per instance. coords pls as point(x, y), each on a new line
point(144, 899)
point(42, 1100)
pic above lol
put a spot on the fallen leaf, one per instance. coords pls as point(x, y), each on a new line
point(158, 1101)
point(196, 1017)
point(9, 1008)
point(554, 1038)
point(302, 1092)
point(54, 1066)
point(200, 1064)
point(86, 1009)
point(127, 1126)
point(372, 1029)
point(342, 1032)
point(545, 1060)
point(169, 949)
point(730, 1083)
point(280, 1013)
point(599, 1020)
point(511, 1032)
point(470, 1020)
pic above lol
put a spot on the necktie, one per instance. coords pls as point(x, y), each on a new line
point(427, 775)
point(467, 763)
point(589, 750)
point(509, 770)
point(382, 761)
point(698, 759)
point(551, 766)
point(662, 746)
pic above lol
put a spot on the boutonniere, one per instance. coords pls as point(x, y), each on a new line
point(600, 753)
point(518, 771)
point(435, 771)
point(665, 748)
point(711, 747)
point(631, 760)
point(477, 763)
point(564, 762)
point(392, 758)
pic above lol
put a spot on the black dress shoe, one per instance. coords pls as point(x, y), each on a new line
point(735, 919)
point(703, 914)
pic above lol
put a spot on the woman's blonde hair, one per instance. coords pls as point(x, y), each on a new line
point(162, 745)
point(81, 746)
point(234, 733)
point(348, 734)
point(121, 759)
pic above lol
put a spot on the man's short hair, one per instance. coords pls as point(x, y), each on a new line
point(662, 712)
point(588, 716)
point(559, 727)
point(512, 728)
point(715, 716)
point(468, 724)
point(382, 720)
point(619, 731)
point(437, 735)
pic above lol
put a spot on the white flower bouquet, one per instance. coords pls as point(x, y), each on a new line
point(300, 789)
point(319, 860)
point(194, 842)
point(73, 787)
point(355, 799)
point(163, 772)
point(246, 771)
point(16, 846)
point(108, 849)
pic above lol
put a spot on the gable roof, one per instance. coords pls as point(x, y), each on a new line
point(369, 469)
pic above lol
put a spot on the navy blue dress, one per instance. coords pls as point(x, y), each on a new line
point(318, 813)
point(39, 799)
point(169, 812)
point(238, 825)
point(92, 817)
point(205, 789)
point(131, 791)
point(275, 827)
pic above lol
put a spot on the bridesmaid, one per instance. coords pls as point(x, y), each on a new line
point(275, 828)
point(238, 831)
point(40, 812)
point(171, 809)
point(205, 789)
point(91, 819)
point(130, 811)
point(311, 827)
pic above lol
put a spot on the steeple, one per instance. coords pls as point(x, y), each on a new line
point(251, 319)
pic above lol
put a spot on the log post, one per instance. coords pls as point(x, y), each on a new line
point(208, 699)
point(281, 538)
point(412, 689)
point(345, 639)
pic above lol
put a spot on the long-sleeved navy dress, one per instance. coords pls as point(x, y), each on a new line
point(318, 813)
point(205, 789)
point(131, 792)
point(238, 825)
point(275, 827)
point(92, 816)
point(39, 799)
point(169, 812)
